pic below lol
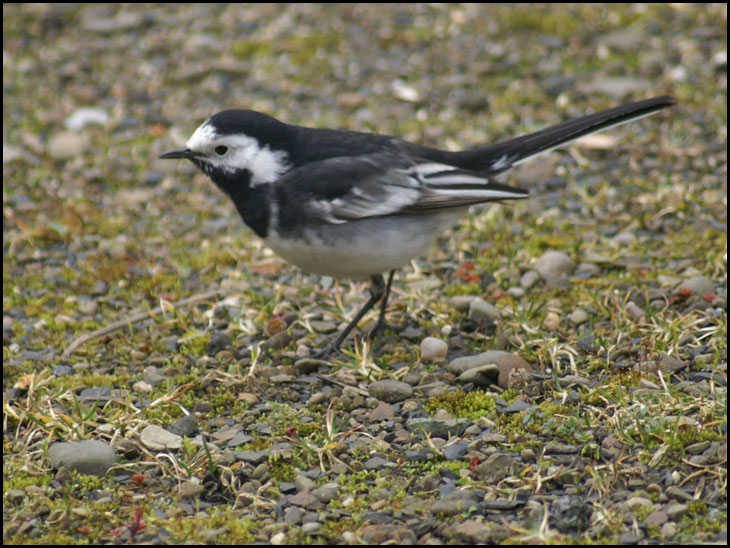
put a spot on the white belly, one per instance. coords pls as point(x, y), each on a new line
point(362, 248)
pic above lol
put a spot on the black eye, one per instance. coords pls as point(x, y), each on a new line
point(220, 150)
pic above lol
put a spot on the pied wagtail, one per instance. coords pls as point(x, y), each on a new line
point(354, 205)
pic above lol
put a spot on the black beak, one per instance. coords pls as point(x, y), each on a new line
point(180, 153)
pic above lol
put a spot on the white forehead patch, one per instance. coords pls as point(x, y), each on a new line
point(244, 152)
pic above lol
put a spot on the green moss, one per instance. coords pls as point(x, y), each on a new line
point(458, 289)
point(460, 404)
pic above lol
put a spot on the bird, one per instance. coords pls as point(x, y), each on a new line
point(349, 204)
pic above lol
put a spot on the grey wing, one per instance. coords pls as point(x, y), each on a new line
point(344, 189)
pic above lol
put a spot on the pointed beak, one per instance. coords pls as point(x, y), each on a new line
point(180, 153)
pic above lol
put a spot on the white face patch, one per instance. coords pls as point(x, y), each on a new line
point(242, 152)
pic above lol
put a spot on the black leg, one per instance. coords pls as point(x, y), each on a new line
point(377, 290)
point(382, 324)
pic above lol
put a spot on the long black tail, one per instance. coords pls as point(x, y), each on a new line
point(500, 157)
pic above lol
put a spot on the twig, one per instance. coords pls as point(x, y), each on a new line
point(134, 318)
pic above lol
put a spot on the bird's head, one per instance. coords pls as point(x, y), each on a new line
point(239, 143)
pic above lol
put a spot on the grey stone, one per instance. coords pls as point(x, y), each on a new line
point(157, 438)
point(390, 390)
point(437, 428)
point(93, 457)
point(553, 265)
point(433, 349)
point(697, 285)
point(459, 365)
point(479, 308)
point(67, 145)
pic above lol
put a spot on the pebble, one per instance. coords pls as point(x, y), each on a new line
point(191, 488)
point(67, 145)
point(474, 531)
point(92, 457)
point(311, 528)
point(326, 492)
point(382, 412)
point(454, 503)
point(617, 87)
point(86, 116)
point(461, 303)
point(456, 451)
point(553, 265)
point(671, 364)
point(551, 321)
point(481, 309)
point(624, 238)
point(390, 390)
point(482, 375)
point(185, 426)
point(571, 514)
point(675, 511)
point(459, 365)
point(278, 539)
point(528, 279)
point(697, 285)
point(490, 366)
point(634, 311)
point(157, 438)
point(656, 519)
point(578, 316)
point(217, 342)
point(440, 428)
point(88, 307)
point(433, 349)
point(496, 467)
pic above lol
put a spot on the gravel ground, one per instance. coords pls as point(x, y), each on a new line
point(560, 375)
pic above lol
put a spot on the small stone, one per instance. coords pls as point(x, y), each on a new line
point(578, 316)
point(433, 349)
point(454, 503)
point(303, 483)
point(390, 390)
point(656, 519)
point(634, 311)
point(437, 428)
point(15, 496)
point(551, 321)
point(326, 493)
point(67, 145)
point(671, 364)
point(88, 307)
point(676, 511)
point(93, 457)
point(86, 116)
point(481, 309)
point(462, 302)
point(279, 539)
point(190, 488)
point(456, 451)
point(482, 375)
point(459, 365)
point(185, 426)
point(697, 285)
point(529, 279)
point(311, 528)
point(382, 412)
point(217, 342)
point(496, 467)
point(375, 463)
point(553, 265)
point(157, 438)
point(571, 514)
point(669, 529)
point(624, 238)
